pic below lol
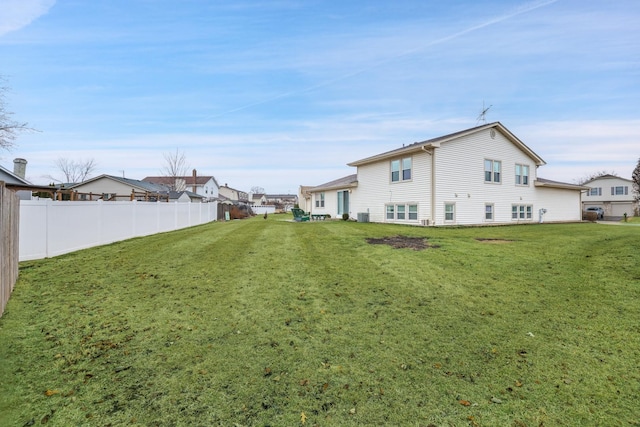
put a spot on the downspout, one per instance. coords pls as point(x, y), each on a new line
point(433, 182)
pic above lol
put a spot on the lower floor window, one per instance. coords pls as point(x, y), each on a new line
point(488, 212)
point(449, 212)
point(413, 212)
point(521, 212)
point(402, 212)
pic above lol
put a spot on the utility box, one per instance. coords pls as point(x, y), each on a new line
point(363, 216)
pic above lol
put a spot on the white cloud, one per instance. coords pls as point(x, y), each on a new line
point(17, 14)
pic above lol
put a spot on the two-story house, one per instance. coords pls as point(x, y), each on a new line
point(202, 185)
point(482, 175)
point(233, 195)
point(611, 193)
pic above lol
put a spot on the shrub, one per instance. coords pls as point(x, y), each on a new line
point(590, 216)
point(345, 216)
point(237, 213)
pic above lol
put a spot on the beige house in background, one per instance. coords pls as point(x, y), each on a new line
point(611, 193)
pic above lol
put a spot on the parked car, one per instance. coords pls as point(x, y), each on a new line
point(598, 210)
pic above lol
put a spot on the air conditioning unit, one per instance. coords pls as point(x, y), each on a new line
point(363, 216)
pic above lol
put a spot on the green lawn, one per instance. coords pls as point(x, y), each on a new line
point(256, 323)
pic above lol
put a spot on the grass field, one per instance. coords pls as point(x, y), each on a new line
point(256, 323)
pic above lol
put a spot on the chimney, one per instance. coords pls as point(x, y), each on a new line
point(195, 183)
point(20, 167)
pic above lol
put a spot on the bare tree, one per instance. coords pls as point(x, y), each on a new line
point(257, 190)
point(9, 128)
point(175, 167)
point(74, 171)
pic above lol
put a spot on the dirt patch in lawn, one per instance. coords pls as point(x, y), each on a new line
point(494, 241)
point(399, 242)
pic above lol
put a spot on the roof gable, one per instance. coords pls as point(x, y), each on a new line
point(435, 143)
point(344, 182)
point(11, 178)
point(135, 183)
point(607, 177)
point(188, 180)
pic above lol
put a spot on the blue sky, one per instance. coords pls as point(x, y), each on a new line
point(284, 93)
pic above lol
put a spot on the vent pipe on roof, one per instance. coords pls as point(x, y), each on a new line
point(20, 167)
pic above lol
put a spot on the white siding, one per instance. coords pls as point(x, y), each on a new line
point(375, 189)
point(105, 185)
point(331, 202)
point(561, 205)
point(460, 179)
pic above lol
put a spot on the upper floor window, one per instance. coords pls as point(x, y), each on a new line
point(492, 170)
point(522, 174)
point(401, 169)
point(620, 190)
point(595, 191)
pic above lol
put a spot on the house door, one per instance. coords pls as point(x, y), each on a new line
point(343, 202)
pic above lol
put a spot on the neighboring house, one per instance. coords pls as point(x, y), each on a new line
point(233, 195)
point(482, 175)
point(611, 193)
point(257, 199)
point(333, 197)
point(185, 197)
point(17, 177)
point(205, 186)
point(305, 197)
point(282, 201)
point(110, 187)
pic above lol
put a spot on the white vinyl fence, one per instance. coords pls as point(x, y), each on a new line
point(263, 209)
point(49, 228)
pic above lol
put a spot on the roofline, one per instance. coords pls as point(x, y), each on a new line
point(541, 182)
point(17, 177)
point(608, 176)
point(435, 143)
point(126, 181)
point(332, 187)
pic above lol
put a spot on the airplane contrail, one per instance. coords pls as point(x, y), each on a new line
point(522, 9)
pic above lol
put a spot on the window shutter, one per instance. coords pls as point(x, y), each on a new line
point(613, 189)
point(599, 191)
point(626, 190)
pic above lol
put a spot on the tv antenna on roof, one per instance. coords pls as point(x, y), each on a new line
point(482, 117)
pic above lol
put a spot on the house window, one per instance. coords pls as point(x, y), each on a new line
point(522, 174)
point(390, 212)
point(492, 170)
point(488, 212)
point(413, 212)
point(401, 169)
point(620, 190)
point(402, 212)
point(521, 212)
point(449, 212)
point(595, 191)
point(406, 168)
point(319, 200)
